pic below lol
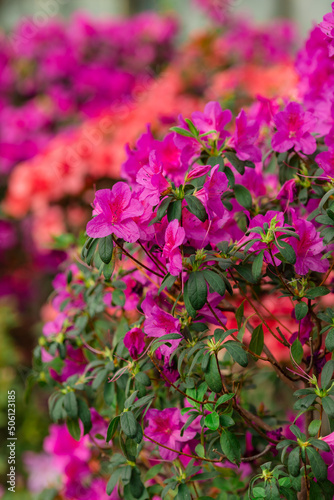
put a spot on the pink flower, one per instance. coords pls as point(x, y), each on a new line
point(329, 456)
point(214, 186)
point(308, 248)
point(293, 130)
point(134, 341)
point(115, 210)
point(213, 118)
point(164, 427)
point(152, 179)
point(327, 27)
point(244, 137)
point(174, 237)
point(159, 323)
point(287, 191)
point(198, 171)
point(325, 161)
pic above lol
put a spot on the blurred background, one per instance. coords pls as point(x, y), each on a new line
point(303, 12)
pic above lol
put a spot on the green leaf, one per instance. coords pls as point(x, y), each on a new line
point(318, 466)
point(328, 406)
point(294, 462)
point(174, 210)
point(162, 210)
point(106, 246)
point(286, 251)
point(211, 421)
point(223, 399)
point(239, 314)
point(230, 446)
point(237, 352)
point(318, 291)
point(183, 492)
point(112, 428)
point(303, 404)
point(212, 375)
point(257, 340)
point(190, 309)
point(257, 265)
point(108, 269)
point(74, 428)
point(129, 424)
point(259, 492)
point(182, 131)
point(168, 282)
point(136, 485)
point(243, 196)
point(329, 341)
point(115, 476)
point(197, 290)
point(327, 373)
point(118, 298)
point(239, 165)
point(196, 207)
point(215, 282)
point(71, 405)
point(301, 310)
point(297, 351)
point(84, 415)
point(314, 427)
point(143, 379)
point(153, 472)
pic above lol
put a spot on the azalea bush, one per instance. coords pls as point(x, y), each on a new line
point(189, 343)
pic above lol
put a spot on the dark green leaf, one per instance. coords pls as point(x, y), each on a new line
point(257, 265)
point(294, 462)
point(174, 210)
point(329, 341)
point(196, 207)
point(71, 405)
point(327, 373)
point(243, 196)
point(129, 424)
point(112, 428)
point(74, 428)
point(113, 480)
point(318, 291)
point(237, 352)
point(190, 309)
point(318, 466)
point(301, 310)
point(297, 351)
point(136, 485)
point(183, 492)
point(197, 290)
point(211, 421)
point(257, 340)
point(314, 427)
point(328, 406)
point(215, 281)
point(303, 404)
point(212, 375)
point(84, 415)
point(162, 210)
point(230, 446)
point(286, 251)
point(106, 246)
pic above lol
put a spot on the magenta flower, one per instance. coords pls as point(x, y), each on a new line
point(53, 328)
point(293, 130)
point(308, 248)
point(287, 191)
point(159, 323)
point(164, 427)
point(152, 179)
point(134, 341)
point(115, 210)
point(198, 171)
point(327, 27)
point(215, 185)
point(213, 118)
point(325, 161)
point(174, 237)
point(244, 138)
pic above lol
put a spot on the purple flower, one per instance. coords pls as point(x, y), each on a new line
point(152, 179)
point(287, 191)
point(308, 248)
point(325, 161)
point(115, 210)
point(174, 237)
point(134, 341)
point(293, 130)
point(244, 137)
point(165, 428)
